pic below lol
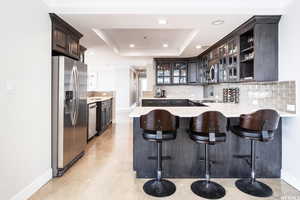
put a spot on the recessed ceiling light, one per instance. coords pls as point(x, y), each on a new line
point(165, 45)
point(162, 21)
point(131, 45)
point(198, 47)
point(218, 22)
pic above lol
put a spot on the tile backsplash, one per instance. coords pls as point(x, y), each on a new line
point(183, 91)
point(279, 95)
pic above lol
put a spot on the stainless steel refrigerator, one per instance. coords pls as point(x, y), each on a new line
point(69, 112)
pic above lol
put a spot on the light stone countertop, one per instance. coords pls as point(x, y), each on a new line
point(195, 98)
point(168, 98)
point(227, 109)
point(97, 99)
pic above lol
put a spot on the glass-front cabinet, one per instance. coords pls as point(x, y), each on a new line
point(163, 74)
point(171, 73)
point(180, 73)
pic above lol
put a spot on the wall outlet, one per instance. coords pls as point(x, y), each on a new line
point(291, 108)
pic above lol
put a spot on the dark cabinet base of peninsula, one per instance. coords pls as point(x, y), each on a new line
point(104, 115)
point(185, 159)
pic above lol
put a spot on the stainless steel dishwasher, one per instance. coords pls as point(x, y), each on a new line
point(92, 120)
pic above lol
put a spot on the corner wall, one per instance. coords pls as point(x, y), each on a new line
point(289, 69)
point(25, 94)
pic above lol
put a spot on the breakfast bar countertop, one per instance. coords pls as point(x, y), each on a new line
point(227, 109)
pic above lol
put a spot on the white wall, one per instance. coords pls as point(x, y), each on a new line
point(150, 77)
point(289, 69)
point(133, 87)
point(114, 72)
point(25, 94)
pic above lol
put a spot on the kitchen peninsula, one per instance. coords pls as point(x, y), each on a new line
point(241, 72)
point(185, 156)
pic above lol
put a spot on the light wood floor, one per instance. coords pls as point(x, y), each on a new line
point(105, 173)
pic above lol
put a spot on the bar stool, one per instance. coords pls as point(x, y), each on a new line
point(257, 126)
point(209, 129)
point(159, 126)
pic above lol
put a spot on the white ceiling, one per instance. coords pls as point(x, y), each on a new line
point(118, 23)
point(168, 6)
point(182, 33)
point(149, 42)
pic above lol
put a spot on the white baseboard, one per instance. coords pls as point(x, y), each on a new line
point(29, 190)
point(290, 179)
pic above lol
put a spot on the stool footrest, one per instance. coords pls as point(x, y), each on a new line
point(163, 158)
point(210, 161)
point(247, 158)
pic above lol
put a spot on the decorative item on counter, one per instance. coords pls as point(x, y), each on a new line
point(231, 95)
point(237, 95)
point(225, 95)
point(159, 93)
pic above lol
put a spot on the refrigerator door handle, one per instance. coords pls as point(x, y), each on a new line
point(76, 95)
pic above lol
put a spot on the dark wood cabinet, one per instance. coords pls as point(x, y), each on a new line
point(249, 53)
point(104, 115)
point(180, 73)
point(193, 72)
point(164, 73)
point(74, 47)
point(65, 39)
point(82, 54)
point(59, 39)
point(231, 159)
point(171, 71)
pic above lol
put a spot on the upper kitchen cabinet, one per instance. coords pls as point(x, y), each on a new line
point(228, 65)
point(193, 67)
point(171, 71)
point(82, 54)
point(259, 49)
point(65, 39)
point(248, 53)
point(192, 72)
point(203, 71)
point(163, 73)
point(180, 73)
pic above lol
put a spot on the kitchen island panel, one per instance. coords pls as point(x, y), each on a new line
point(185, 158)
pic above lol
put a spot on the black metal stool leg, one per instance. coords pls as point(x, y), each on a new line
point(206, 188)
point(159, 187)
point(252, 186)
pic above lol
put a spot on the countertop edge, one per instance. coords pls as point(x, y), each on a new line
point(186, 112)
point(99, 100)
